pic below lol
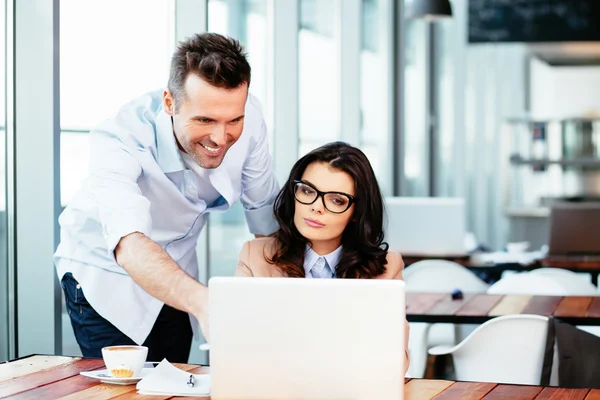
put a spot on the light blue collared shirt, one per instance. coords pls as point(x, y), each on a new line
point(313, 260)
point(138, 182)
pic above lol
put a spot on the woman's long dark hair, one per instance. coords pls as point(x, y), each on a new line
point(364, 252)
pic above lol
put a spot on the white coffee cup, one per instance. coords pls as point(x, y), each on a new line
point(125, 361)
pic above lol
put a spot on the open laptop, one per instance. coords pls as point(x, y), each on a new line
point(574, 232)
point(426, 226)
point(285, 338)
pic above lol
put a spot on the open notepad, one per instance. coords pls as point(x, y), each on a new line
point(168, 380)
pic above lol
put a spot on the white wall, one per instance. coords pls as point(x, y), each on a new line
point(560, 92)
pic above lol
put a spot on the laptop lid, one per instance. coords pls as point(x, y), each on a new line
point(428, 226)
point(574, 229)
point(285, 338)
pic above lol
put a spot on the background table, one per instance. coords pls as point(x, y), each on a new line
point(479, 308)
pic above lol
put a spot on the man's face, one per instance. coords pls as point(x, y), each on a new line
point(209, 120)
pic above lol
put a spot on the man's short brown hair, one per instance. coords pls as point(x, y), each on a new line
point(217, 59)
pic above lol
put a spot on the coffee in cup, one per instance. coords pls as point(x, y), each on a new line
point(125, 361)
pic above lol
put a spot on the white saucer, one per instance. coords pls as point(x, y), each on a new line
point(105, 376)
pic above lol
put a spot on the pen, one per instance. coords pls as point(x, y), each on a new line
point(190, 383)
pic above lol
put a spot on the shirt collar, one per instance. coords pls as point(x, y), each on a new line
point(311, 257)
point(168, 157)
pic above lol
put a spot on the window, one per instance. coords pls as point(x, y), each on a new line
point(376, 94)
point(4, 292)
point(319, 77)
point(102, 69)
point(447, 106)
point(415, 103)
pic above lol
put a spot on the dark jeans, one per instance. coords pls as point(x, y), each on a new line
point(170, 338)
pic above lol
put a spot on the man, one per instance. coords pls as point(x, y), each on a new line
point(127, 258)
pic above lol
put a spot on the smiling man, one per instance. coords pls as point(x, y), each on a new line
point(127, 259)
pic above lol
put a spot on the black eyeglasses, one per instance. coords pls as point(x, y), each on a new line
point(335, 202)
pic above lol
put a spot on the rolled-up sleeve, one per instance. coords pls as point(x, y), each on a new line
point(114, 172)
point(260, 187)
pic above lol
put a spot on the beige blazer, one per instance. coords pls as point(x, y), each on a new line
point(252, 263)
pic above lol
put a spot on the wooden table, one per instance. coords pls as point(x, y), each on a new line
point(52, 377)
point(478, 308)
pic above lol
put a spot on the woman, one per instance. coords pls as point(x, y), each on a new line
point(330, 214)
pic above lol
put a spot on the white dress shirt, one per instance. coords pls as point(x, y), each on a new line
point(316, 266)
point(138, 182)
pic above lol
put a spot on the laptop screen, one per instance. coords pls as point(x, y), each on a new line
point(431, 226)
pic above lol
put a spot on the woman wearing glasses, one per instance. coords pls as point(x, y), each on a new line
point(330, 214)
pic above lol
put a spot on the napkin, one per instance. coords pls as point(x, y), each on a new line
point(168, 380)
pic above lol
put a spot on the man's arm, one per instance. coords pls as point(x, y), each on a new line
point(155, 271)
point(260, 186)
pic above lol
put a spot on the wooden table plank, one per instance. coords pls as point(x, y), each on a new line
point(510, 304)
point(466, 391)
point(594, 394)
point(419, 303)
point(594, 308)
point(101, 391)
point(448, 306)
point(43, 377)
point(29, 365)
point(573, 306)
point(542, 305)
point(479, 305)
point(424, 388)
point(57, 389)
point(513, 392)
point(551, 393)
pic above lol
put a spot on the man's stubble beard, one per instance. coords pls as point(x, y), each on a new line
point(200, 160)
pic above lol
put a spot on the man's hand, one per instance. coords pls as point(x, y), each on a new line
point(155, 271)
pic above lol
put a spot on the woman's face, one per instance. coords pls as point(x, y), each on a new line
point(318, 222)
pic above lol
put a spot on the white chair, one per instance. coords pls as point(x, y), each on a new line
point(435, 276)
point(507, 349)
point(525, 283)
point(441, 276)
point(577, 284)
